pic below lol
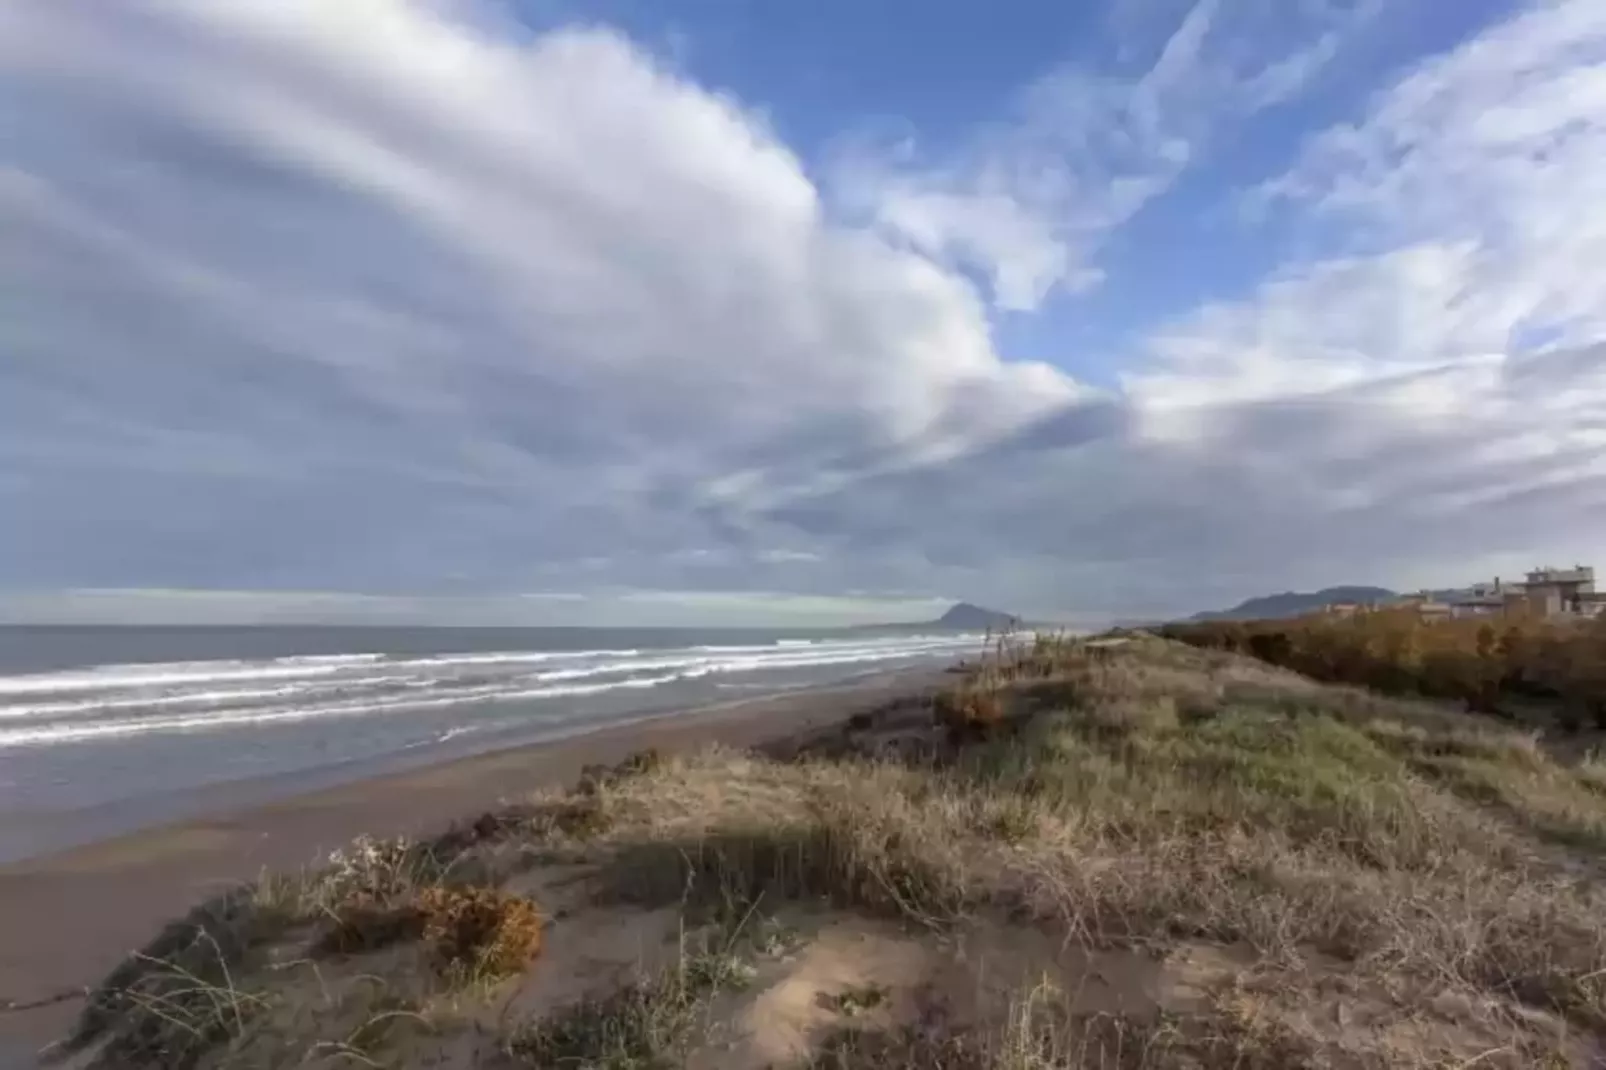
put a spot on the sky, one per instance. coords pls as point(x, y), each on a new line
point(729, 312)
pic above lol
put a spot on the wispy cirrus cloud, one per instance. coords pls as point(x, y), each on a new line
point(1027, 201)
point(1420, 397)
point(1452, 209)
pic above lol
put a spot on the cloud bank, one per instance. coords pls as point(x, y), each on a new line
point(404, 299)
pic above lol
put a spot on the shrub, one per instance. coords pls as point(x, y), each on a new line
point(1482, 664)
point(473, 932)
point(479, 932)
point(969, 713)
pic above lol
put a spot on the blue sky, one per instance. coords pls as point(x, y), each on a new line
point(935, 72)
point(729, 312)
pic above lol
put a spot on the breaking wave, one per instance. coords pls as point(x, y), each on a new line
point(109, 701)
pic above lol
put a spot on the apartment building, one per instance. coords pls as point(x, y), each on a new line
point(1550, 592)
point(1558, 591)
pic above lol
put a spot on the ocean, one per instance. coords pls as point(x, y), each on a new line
point(108, 729)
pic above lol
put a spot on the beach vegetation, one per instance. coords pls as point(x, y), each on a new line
point(1122, 852)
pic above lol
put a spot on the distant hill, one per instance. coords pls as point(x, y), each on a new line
point(1294, 603)
point(969, 618)
point(962, 617)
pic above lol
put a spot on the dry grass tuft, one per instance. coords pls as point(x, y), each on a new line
point(644, 1025)
point(1035, 1035)
point(969, 713)
point(363, 924)
point(179, 996)
point(859, 835)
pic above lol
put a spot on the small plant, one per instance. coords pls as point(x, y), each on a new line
point(642, 761)
point(167, 1004)
point(596, 777)
point(474, 932)
point(856, 1001)
point(369, 869)
point(580, 818)
point(648, 1025)
point(363, 924)
point(968, 713)
point(479, 933)
point(776, 939)
point(718, 971)
point(1013, 822)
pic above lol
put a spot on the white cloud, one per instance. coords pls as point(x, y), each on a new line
point(1465, 191)
point(1423, 404)
point(545, 279)
point(378, 297)
point(1028, 201)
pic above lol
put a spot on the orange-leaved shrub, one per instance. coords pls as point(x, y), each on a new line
point(1483, 661)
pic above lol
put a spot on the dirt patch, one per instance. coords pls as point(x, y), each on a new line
point(591, 953)
point(867, 993)
point(782, 1018)
point(876, 978)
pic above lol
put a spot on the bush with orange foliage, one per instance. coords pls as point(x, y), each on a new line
point(473, 932)
point(479, 932)
point(1483, 662)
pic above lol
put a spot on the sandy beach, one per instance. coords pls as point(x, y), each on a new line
point(67, 918)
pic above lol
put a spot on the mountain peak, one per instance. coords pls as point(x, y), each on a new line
point(972, 617)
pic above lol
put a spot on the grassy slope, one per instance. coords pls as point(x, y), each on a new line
point(1288, 875)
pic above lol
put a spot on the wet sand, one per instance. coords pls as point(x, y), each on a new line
point(66, 919)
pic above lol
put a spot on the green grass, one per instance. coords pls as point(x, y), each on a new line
point(1305, 777)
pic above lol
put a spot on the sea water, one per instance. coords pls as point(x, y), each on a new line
point(105, 729)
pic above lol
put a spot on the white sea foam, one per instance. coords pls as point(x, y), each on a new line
point(112, 677)
point(166, 697)
point(63, 733)
point(113, 701)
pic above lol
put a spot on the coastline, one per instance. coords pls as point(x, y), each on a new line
point(32, 834)
point(68, 917)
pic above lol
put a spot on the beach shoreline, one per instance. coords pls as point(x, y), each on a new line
point(30, 834)
point(68, 917)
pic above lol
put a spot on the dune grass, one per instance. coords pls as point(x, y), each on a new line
point(1399, 884)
